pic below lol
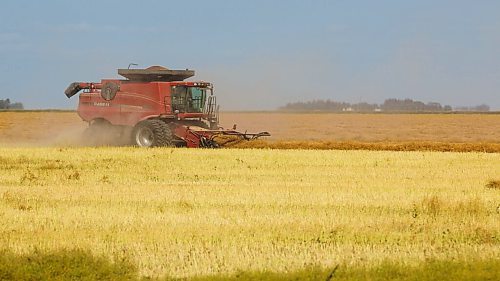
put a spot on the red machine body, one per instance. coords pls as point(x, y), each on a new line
point(153, 109)
point(134, 102)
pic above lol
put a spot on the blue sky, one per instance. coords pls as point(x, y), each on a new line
point(259, 54)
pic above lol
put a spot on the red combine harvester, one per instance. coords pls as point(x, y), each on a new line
point(152, 107)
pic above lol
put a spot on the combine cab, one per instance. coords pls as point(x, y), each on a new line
point(152, 107)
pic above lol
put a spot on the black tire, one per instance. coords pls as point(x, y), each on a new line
point(151, 133)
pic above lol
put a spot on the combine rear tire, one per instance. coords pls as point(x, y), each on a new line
point(150, 133)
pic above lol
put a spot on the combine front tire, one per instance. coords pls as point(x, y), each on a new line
point(150, 133)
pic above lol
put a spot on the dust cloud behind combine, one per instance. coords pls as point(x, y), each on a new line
point(38, 128)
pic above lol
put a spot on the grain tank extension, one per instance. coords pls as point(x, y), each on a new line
point(152, 107)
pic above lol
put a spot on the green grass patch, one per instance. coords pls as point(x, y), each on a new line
point(63, 265)
point(429, 271)
point(81, 265)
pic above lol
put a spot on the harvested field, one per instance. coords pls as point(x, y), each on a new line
point(396, 132)
point(457, 128)
point(130, 213)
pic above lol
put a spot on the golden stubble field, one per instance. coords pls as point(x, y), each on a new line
point(188, 212)
point(59, 128)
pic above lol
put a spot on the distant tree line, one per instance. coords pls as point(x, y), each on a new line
point(481, 108)
point(6, 104)
point(389, 105)
point(413, 106)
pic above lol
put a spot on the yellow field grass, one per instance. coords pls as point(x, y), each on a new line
point(187, 212)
